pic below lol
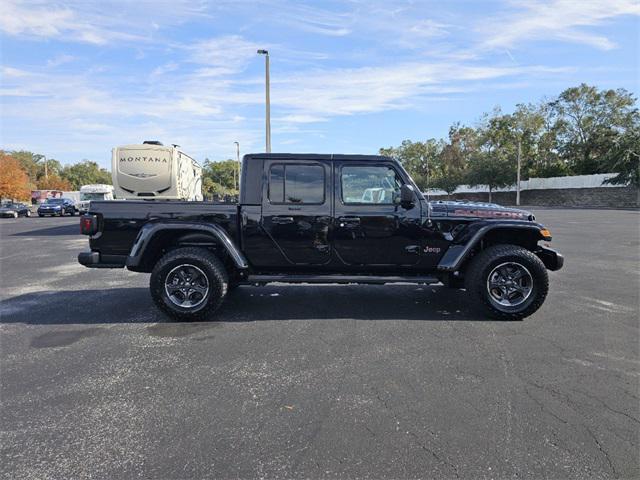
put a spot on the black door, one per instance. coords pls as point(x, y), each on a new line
point(296, 210)
point(370, 226)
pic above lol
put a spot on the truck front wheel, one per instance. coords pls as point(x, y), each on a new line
point(507, 281)
point(189, 283)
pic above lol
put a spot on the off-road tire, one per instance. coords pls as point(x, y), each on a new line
point(212, 268)
point(482, 265)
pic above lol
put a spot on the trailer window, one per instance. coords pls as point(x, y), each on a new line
point(299, 184)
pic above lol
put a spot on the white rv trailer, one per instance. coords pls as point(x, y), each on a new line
point(96, 191)
point(155, 171)
point(73, 195)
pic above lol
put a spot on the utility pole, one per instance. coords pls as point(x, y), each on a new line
point(237, 160)
point(267, 99)
point(518, 171)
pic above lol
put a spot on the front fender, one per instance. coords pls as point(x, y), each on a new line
point(148, 231)
point(456, 254)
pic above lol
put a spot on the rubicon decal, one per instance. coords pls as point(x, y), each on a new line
point(489, 214)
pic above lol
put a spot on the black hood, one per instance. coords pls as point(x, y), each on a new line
point(478, 210)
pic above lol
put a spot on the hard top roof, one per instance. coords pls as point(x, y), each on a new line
point(313, 156)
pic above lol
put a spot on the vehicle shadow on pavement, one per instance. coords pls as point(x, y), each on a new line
point(62, 230)
point(249, 304)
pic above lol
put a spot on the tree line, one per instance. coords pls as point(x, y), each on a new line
point(22, 171)
point(583, 131)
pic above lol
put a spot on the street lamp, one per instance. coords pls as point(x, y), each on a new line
point(268, 103)
point(238, 160)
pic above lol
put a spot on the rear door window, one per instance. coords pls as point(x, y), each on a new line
point(296, 184)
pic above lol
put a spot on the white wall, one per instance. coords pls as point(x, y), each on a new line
point(576, 181)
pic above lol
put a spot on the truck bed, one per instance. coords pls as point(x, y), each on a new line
point(122, 220)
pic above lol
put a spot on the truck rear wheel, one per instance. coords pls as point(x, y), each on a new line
point(189, 283)
point(507, 281)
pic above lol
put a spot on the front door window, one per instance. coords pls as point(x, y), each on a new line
point(369, 185)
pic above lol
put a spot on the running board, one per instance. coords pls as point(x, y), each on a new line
point(364, 279)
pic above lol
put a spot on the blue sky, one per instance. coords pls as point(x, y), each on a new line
point(79, 77)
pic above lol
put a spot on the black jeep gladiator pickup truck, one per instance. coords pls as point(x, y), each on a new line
point(323, 219)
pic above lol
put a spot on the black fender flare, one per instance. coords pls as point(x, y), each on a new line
point(456, 254)
point(148, 231)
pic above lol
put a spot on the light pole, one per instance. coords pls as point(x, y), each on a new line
point(268, 102)
point(238, 160)
point(518, 173)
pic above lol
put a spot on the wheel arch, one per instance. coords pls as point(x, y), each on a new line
point(156, 239)
point(479, 237)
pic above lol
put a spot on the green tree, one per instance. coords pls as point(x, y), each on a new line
point(589, 123)
point(84, 173)
point(449, 180)
point(37, 166)
point(493, 170)
point(624, 158)
point(450, 168)
point(494, 164)
point(220, 178)
point(418, 158)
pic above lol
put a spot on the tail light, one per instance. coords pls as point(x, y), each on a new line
point(88, 224)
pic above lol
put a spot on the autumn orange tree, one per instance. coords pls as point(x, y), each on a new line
point(14, 182)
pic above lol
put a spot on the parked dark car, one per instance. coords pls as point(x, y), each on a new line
point(14, 210)
point(323, 219)
point(57, 207)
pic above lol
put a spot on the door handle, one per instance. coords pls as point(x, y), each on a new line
point(282, 220)
point(348, 221)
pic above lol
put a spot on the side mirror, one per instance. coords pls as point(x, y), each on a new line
point(407, 196)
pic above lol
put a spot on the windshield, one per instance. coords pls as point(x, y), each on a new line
point(9, 205)
point(92, 196)
point(54, 200)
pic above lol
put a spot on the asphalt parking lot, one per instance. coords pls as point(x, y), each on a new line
point(399, 381)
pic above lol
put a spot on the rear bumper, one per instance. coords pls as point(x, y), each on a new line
point(95, 260)
point(551, 259)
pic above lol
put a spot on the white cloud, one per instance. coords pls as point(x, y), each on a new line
point(351, 58)
point(60, 60)
point(227, 54)
point(13, 72)
point(429, 28)
point(566, 20)
point(96, 23)
point(373, 89)
point(166, 68)
point(312, 19)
